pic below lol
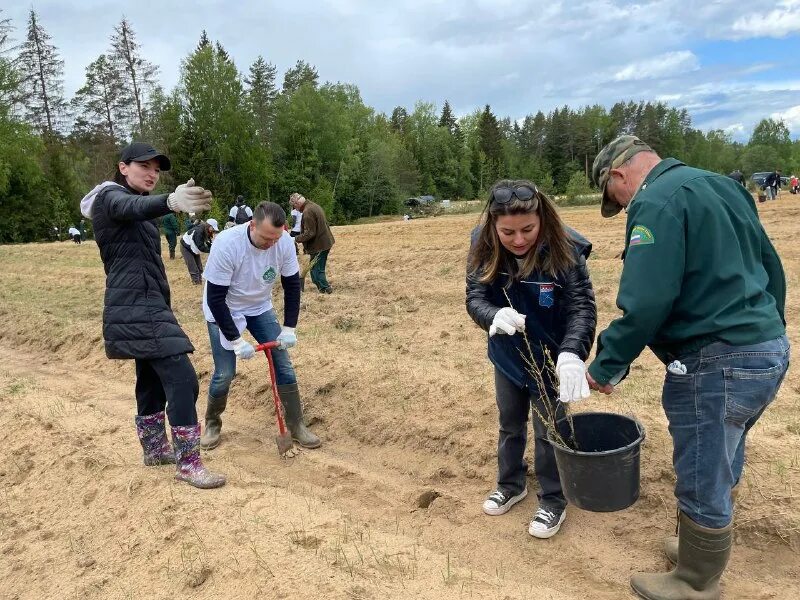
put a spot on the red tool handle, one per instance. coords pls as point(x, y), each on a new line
point(267, 348)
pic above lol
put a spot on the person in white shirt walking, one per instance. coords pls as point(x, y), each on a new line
point(240, 212)
point(196, 240)
point(244, 264)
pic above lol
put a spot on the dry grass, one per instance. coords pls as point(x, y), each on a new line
point(396, 381)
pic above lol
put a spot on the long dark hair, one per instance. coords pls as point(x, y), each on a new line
point(552, 253)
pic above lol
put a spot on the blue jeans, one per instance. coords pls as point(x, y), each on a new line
point(318, 270)
point(265, 328)
point(710, 409)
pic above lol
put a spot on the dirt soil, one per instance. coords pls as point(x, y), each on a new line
point(395, 380)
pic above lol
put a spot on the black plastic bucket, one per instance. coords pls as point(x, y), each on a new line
point(603, 474)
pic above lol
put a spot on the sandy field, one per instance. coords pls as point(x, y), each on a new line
point(395, 380)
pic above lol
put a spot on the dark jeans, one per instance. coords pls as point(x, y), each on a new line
point(172, 241)
point(514, 404)
point(318, 270)
point(170, 382)
point(265, 328)
point(710, 409)
point(193, 263)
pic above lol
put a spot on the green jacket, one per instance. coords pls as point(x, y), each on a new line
point(699, 268)
point(170, 224)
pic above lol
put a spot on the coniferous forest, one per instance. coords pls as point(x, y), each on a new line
point(250, 132)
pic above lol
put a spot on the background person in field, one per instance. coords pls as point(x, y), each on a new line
point(240, 212)
point(74, 234)
point(316, 237)
point(172, 229)
point(197, 240)
point(703, 287)
point(138, 322)
point(244, 264)
point(526, 275)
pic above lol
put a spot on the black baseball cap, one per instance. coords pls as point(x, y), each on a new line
point(141, 151)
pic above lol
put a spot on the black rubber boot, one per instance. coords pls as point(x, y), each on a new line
point(213, 429)
point(293, 410)
point(703, 554)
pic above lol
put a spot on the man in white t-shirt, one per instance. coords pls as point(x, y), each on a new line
point(244, 263)
point(240, 212)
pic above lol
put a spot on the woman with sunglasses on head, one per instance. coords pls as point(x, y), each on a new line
point(527, 278)
point(138, 322)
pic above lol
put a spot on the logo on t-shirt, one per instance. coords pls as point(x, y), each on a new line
point(546, 294)
point(270, 275)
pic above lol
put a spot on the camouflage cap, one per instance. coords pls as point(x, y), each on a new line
point(611, 157)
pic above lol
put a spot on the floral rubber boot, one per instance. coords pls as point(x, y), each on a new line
point(153, 436)
point(186, 439)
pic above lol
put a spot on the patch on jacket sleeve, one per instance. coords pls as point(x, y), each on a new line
point(641, 235)
point(546, 294)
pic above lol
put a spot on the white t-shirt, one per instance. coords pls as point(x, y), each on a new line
point(235, 209)
point(297, 218)
point(248, 271)
point(74, 231)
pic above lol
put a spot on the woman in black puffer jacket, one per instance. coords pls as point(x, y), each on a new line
point(527, 275)
point(138, 322)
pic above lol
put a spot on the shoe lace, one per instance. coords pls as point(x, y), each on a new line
point(544, 515)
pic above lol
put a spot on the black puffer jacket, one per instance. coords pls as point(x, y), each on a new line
point(561, 314)
point(137, 319)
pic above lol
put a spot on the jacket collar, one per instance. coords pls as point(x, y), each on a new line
point(656, 172)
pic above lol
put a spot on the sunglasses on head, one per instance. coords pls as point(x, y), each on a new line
point(503, 195)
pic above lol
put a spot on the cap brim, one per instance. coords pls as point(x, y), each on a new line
point(609, 208)
point(163, 162)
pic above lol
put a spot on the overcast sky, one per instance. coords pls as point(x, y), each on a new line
point(730, 63)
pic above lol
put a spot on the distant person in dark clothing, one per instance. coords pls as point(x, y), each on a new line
point(138, 322)
point(771, 184)
point(737, 176)
point(240, 212)
point(196, 240)
point(171, 227)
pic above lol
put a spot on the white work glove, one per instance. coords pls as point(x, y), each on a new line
point(572, 384)
point(507, 321)
point(243, 348)
point(287, 339)
point(189, 198)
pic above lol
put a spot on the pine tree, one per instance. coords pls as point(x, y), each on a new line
point(204, 41)
point(137, 73)
point(9, 76)
point(261, 96)
point(447, 119)
point(398, 119)
point(42, 76)
point(301, 73)
point(100, 102)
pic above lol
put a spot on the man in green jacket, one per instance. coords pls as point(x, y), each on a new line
point(704, 288)
point(172, 229)
point(316, 237)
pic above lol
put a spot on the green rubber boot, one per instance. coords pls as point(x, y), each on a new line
point(293, 410)
point(703, 554)
point(671, 543)
point(213, 429)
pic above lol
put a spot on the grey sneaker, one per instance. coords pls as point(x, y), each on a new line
point(499, 502)
point(546, 522)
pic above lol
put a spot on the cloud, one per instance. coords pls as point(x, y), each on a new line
point(777, 23)
point(791, 117)
point(665, 65)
